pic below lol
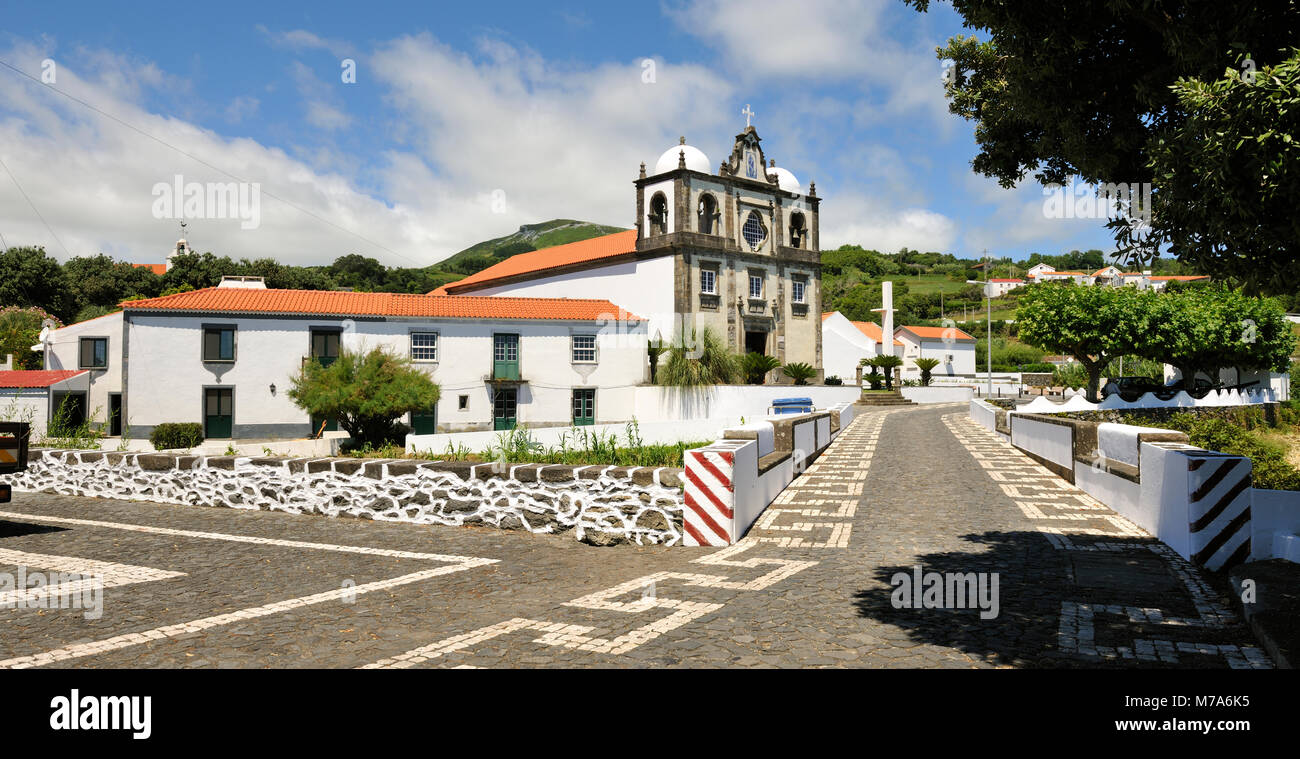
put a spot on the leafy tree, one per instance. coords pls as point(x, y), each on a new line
point(30, 279)
point(198, 270)
point(799, 372)
point(20, 329)
point(98, 283)
point(366, 392)
point(358, 272)
point(1228, 179)
point(1118, 100)
point(699, 361)
point(1213, 328)
point(755, 367)
point(926, 365)
point(1092, 324)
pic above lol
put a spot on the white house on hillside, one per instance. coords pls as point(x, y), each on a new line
point(953, 348)
point(224, 356)
point(845, 343)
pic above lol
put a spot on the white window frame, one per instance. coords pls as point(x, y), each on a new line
point(760, 279)
point(799, 291)
point(413, 347)
point(712, 277)
point(573, 349)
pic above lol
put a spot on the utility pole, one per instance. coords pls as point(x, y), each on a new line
point(988, 337)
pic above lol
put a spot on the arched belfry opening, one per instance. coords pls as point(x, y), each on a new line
point(659, 214)
point(708, 213)
point(798, 230)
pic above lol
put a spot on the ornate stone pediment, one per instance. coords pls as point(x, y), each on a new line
point(746, 158)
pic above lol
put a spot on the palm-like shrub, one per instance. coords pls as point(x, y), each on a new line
point(926, 365)
point(798, 372)
point(886, 364)
point(755, 367)
point(698, 361)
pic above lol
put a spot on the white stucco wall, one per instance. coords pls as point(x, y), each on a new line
point(962, 352)
point(64, 354)
point(843, 346)
point(166, 376)
point(30, 405)
point(644, 288)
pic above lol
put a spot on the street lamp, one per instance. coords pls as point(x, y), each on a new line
point(988, 337)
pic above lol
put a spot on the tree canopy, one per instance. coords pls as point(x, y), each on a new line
point(365, 392)
point(1115, 92)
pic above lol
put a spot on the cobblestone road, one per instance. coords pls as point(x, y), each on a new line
point(810, 586)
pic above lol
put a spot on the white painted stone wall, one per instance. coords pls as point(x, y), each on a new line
point(601, 505)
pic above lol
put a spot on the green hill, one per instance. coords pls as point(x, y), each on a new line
point(545, 234)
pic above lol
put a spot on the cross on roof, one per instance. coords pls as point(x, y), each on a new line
point(747, 113)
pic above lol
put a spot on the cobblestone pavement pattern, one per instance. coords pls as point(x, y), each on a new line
point(810, 586)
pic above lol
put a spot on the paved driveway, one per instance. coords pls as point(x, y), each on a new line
point(910, 492)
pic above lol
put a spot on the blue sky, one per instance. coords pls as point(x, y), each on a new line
point(469, 119)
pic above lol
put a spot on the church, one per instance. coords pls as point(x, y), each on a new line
point(734, 251)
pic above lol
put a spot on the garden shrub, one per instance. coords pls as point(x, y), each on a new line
point(169, 435)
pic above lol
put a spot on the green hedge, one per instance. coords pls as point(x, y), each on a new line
point(171, 435)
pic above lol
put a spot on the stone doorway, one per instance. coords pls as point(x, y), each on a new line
point(756, 342)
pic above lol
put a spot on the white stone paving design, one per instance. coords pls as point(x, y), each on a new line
point(615, 508)
point(118, 642)
point(103, 574)
point(1054, 503)
point(848, 456)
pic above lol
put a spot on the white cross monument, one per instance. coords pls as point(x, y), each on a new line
point(747, 114)
point(887, 317)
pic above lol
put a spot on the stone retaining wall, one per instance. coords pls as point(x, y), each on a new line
point(602, 505)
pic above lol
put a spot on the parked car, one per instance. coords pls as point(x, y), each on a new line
point(1131, 388)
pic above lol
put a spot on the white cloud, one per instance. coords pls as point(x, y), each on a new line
point(557, 141)
point(92, 180)
point(876, 225)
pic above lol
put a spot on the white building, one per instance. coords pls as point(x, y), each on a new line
point(846, 342)
point(35, 397)
point(953, 348)
point(94, 347)
point(224, 356)
point(732, 248)
point(999, 287)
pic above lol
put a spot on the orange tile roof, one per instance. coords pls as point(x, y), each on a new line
point(36, 377)
point(936, 333)
point(342, 303)
point(607, 246)
point(873, 331)
point(159, 269)
point(1099, 271)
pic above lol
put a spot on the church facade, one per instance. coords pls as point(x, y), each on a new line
point(734, 251)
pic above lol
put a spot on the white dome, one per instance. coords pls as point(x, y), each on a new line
point(695, 159)
point(785, 180)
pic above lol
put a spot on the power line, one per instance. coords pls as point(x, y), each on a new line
point(193, 157)
point(33, 205)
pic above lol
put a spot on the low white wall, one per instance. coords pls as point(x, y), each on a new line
point(730, 403)
point(650, 432)
point(984, 414)
point(1119, 442)
point(1275, 524)
point(1054, 442)
point(938, 394)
